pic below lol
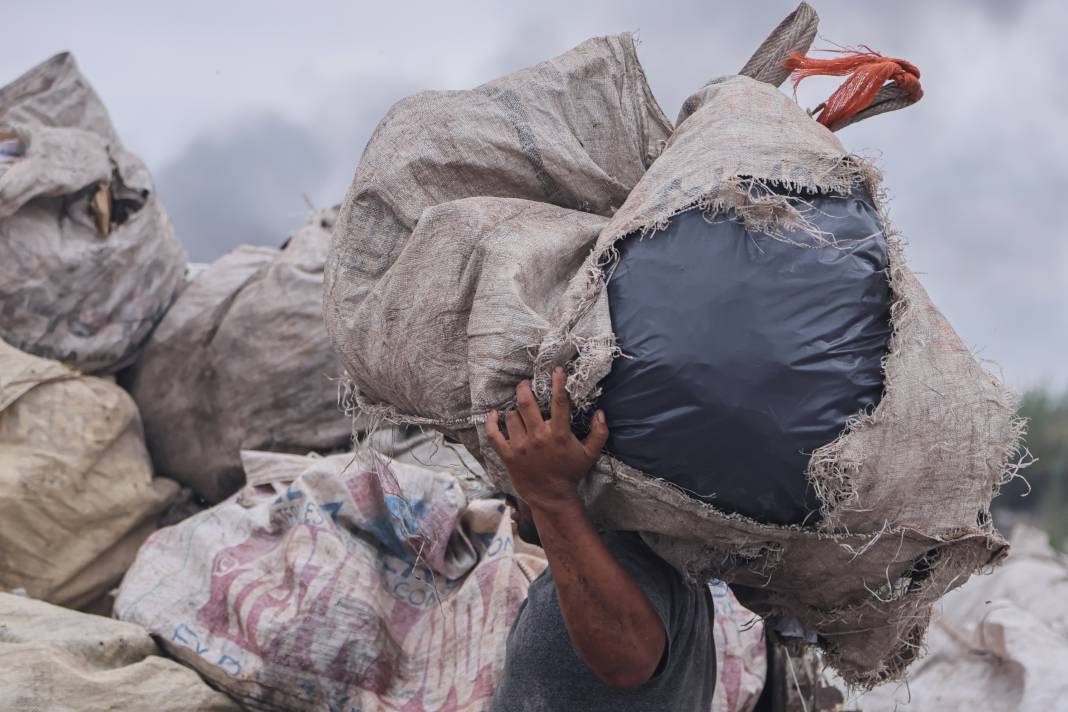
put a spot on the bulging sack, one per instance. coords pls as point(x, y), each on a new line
point(346, 582)
point(454, 273)
point(91, 262)
point(77, 497)
point(241, 361)
point(436, 290)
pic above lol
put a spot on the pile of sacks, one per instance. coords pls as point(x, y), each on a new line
point(457, 270)
point(91, 264)
point(127, 394)
point(356, 578)
point(134, 395)
point(96, 284)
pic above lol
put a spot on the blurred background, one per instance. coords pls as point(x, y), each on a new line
point(249, 113)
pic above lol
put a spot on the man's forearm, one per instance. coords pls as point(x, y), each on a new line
point(610, 621)
point(612, 625)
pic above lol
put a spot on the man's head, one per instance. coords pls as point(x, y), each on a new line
point(524, 520)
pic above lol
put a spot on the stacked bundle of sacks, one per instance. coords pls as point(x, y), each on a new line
point(95, 284)
point(93, 297)
point(789, 410)
point(230, 381)
point(91, 265)
point(849, 443)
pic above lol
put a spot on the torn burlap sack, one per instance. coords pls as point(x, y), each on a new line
point(472, 251)
point(90, 262)
point(242, 361)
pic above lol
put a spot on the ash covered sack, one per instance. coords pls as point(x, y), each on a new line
point(491, 235)
point(743, 352)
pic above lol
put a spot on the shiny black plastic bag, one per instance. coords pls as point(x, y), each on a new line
point(744, 353)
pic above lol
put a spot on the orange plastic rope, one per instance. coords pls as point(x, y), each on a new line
point(868, 72)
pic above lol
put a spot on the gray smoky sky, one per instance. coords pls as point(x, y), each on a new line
point(246, 112)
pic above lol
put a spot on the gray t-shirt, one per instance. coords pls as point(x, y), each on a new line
point(542, 671)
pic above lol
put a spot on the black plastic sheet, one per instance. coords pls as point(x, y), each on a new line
point(744, 353)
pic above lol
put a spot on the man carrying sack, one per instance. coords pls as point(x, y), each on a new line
point(609, 625)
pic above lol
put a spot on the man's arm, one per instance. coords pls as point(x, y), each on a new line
point(610, 621)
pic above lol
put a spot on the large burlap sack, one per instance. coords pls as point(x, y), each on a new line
point(575, 133)
point(58, 660)
point(90, 259)
point(77, 497)
point(346, 582)
point(242, 361)
point(473, 248)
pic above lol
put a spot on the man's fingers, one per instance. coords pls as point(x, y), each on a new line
point(527, 405)
point(515, 426)
point(560, 409)
point(598, 436)
point(493, 433)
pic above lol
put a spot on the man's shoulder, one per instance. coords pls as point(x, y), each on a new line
point(631, 551)
point(655, 576)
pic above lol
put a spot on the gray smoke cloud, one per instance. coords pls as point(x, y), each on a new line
point(242, 185)
point(239, 121)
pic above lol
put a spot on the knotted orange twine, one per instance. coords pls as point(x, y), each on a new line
point(867, 71)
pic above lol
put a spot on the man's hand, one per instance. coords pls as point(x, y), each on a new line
point(611, 623)
point(544, 458)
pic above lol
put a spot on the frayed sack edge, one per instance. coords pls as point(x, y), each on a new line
point(905, 608)
point(899, 608)
point(751, 200)
point(833, 477)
